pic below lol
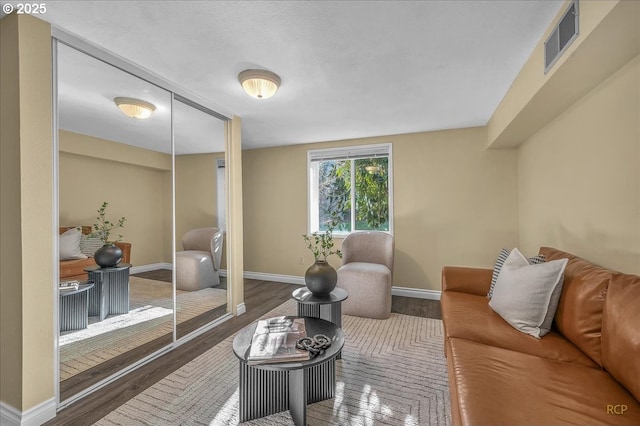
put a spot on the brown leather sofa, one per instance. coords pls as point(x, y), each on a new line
point(74, 269)
point(585, 371)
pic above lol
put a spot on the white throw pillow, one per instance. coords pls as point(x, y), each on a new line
point(70, 245)
point(504, 253)
point(526, 296)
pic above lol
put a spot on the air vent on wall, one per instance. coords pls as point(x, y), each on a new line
point(562, 36)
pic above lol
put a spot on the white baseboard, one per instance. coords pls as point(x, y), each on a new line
point(289, 279)
point(242, 308)
point(150, 267)
point(34, 416)
point(163, 265)
point(416, 293)
point(292, 279)
point(395, 290)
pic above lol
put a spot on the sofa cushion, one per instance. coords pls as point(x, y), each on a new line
point(579, 313)
point(502, 256)
point(469, 317)
point(621, 331)
point(69, 244)
point(498, 386)
point(525, 295)
point(75, 268)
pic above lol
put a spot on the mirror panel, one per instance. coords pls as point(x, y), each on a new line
point(201, 290)
point(106, 156)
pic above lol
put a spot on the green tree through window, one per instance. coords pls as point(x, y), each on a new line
point(337, 195)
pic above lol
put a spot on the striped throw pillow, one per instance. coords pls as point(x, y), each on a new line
point(504, 253)
point(89, 245)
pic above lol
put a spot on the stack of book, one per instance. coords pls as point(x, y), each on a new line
point(69, 285)
point(275, 341)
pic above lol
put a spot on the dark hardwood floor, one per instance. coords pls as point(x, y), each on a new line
point(89, 377)
point(260, 298)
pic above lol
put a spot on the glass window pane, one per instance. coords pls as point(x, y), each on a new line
point(372, 194)
point(334, 197)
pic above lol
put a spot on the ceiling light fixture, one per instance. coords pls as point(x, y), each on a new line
point(259, 84)
point(135, 108)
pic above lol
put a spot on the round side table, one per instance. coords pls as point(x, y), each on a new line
point(328, 308)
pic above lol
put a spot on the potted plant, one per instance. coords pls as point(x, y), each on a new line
point(109, 255)
point(321, 278)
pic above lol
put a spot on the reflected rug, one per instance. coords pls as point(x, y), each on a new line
point(150, 316)
point(392, 372)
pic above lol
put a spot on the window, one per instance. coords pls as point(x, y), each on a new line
point(351, 187)
point(220, 195)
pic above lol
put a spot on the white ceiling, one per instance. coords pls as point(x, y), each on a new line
point(86, 91)
point(349, 69)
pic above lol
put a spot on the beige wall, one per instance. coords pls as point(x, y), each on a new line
point(579, 177)
point(135, 182)
point(607, 39)
point(455, 203)
point(27, 243)
point(196, 194)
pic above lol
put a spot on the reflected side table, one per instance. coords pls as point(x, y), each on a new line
point(74, 307)
point(110, 295)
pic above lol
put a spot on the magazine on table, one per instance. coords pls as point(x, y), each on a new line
point(69, 285)
point(275, 341)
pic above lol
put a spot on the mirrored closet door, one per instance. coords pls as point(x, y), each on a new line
point(109, 153)
point(141, 166)
point(201, 285)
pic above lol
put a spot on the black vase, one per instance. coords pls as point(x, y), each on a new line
point(108, 256)
point(321, 278)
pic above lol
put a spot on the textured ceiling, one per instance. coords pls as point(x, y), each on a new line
point(349, 69)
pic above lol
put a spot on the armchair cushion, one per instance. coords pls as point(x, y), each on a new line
point(197, 265)
point(367, 274)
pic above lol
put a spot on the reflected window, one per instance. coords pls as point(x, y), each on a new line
point(220, 193)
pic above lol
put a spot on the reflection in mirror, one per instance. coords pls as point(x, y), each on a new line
point(201, 289)
point(116, 316)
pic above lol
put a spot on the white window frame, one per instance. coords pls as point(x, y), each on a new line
point(220, 195)
point(346, 153)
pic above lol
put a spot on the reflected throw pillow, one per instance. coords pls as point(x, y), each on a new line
point(89, 245)
point(69, 247)
point(526, 296)
point(504, 253)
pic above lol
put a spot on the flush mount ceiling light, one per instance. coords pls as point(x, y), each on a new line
point(259, 84)
point(135, 108)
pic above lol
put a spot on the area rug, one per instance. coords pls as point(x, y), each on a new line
point(150, 316)
point(392, 372)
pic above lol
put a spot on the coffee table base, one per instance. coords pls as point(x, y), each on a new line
point(265, 392)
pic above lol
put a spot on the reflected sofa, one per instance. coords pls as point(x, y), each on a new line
point(74, 269)
point(585, 371)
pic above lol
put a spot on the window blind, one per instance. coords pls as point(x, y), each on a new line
point(365, 151)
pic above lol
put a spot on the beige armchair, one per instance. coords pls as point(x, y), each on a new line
point(366, 274)
point(197, 266)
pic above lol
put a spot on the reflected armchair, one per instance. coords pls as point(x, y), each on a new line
point(198, 264)
point(366, 274)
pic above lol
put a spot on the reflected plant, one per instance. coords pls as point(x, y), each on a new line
point(104, 227)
